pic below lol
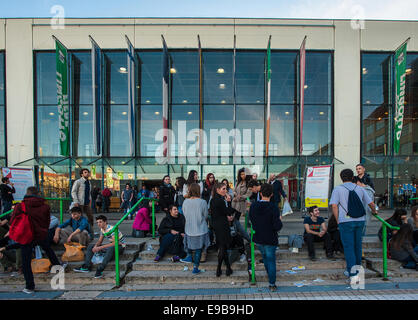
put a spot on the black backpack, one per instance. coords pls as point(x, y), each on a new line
point(355, 206)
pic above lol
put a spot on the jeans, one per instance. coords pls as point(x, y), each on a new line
point(166, 242)
point(351, 237)
point(409, 263)
point(7, 206)
point(27, 259)
point(311, 238)
point(269, 260)
point(196, 258)
point(109, 255)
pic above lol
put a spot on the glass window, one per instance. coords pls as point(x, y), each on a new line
point(47, 130)
point(185, 75)
point(282, 130)
point(2, 80)
point(217, 118)
point(317, 130)
point(46, 80)
point(151, 77)
point(151, 122)
point(250, 120)
point(283, 77)
point(250, 77)
point(184, 119)
point(218, 77)
point(318, 78)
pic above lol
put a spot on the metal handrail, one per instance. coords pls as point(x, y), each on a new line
point(252, 256)
point(385, 225)
point(61, 208)
point(115, 230)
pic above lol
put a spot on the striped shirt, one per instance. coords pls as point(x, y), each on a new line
point(110, 237)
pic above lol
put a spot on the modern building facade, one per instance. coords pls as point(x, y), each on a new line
point(348, 108)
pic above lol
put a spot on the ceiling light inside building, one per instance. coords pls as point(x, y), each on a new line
point(85, 113)
point(408, 71)
point(223, 101)
point(173, 70)
point(156, 112)
point(220, 70)
point(51, 113)
point(189, 112)
point(184, 101)
point(122, 70)
point(222, 86)
point(124, 113)
point(287, 113)
point(364, 70)
point(321, 113)
point(305, 86)
point(148, 101)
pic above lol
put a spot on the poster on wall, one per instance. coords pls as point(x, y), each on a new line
point(317, 182)
point(21, 179)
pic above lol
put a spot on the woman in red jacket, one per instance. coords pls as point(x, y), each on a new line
point(142, 223)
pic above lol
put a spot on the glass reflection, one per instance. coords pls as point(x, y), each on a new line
point(217, 77)
point(250, 76)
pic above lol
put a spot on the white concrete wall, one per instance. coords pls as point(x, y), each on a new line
point(19, 94)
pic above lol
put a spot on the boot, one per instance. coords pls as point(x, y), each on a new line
point(218, 271)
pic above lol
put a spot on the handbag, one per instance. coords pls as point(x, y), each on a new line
point(286, 209)
point(40, 265)
point(97, 258)
point(21, 229)
point(73, 252)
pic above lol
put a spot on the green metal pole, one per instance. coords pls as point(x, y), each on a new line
point(252, 258)
point(153, 219)
point(385, 256)
point(61, 219)
point(117, 256)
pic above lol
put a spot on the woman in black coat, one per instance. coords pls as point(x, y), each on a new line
point(167, 193)
point(219, 211)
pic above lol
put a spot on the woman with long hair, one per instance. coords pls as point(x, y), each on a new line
point(413, 221)
point(207, 186)
point(167, 194)
point(179, 198)
point(398, 218)
point(193, 177)
point(401, 247)
point(195, 212)
point(241, 191)
point(229, 190)
point(219, 211)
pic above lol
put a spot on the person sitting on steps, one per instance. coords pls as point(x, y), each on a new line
point(316, 231)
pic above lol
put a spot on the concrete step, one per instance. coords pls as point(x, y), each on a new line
point(165, 265)
point(156, 277)
point(394, 268)
point(131, 244)
point(281, 254)
point(128, 254)
point(70, 278)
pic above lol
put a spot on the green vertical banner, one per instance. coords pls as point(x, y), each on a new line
point(62, 95)
point(400, 77)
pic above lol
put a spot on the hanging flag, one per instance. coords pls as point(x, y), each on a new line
point(62, 95)
point(96, 63)
point(268, 80)
point(200, 101)
point(302, 60)
point(166, 77)
point(400, 80)
point(131, 95)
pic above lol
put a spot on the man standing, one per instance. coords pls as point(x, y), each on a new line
point(278, 191)
point(364, 177)
point(81, 195)
point(350, 221)
point(265, 219)
point(106, 193)
point(7, 189)
point(39, 215)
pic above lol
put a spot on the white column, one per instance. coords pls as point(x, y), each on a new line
point(19, 90)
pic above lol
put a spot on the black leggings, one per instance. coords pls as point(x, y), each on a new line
point(223, 256)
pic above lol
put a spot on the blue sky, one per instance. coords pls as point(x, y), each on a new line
point(321, 9)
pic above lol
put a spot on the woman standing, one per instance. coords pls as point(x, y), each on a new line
point(207, 187)
point(167, 194)
point(195, 212)
point(241, 192)
point(127, 196)
point(192, 178)
point(229, 190)
point(219, 211)
point(179, 198)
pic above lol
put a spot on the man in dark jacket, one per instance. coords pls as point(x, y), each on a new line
point(39, 215)
point(278, 191)
point(171, 227)
point(363, 176)
point(6, 190)
point(265, 219)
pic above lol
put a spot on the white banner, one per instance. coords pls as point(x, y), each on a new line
point(21, 178)
point(317, 186)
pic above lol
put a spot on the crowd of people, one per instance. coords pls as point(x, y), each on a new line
point(203, 216)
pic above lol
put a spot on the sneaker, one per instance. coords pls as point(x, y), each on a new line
point(98, 274)
point(28, 291)
point(272, 288)
point(188, 259)
point(196, 270)
point(175, 259)
point(83, 269)
point(157, 258)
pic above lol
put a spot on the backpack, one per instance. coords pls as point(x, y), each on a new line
point(21, 229)
point(355, 206)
